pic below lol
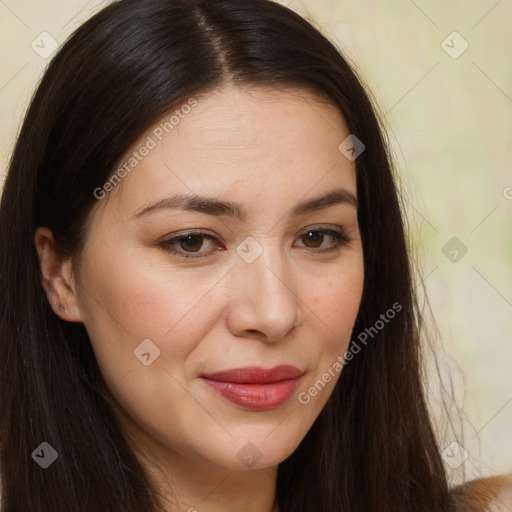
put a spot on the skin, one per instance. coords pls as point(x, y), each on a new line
point(267, 150)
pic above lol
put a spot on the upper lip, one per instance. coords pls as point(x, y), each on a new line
point(255, 374)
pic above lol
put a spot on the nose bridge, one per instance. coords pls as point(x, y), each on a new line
point(265, 292)
point(270, 269)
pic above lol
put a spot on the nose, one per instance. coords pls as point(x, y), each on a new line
point(263, 300)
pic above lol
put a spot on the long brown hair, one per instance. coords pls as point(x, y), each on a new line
point(372, 448)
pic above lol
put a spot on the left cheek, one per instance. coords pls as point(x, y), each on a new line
point(333, 310)
point(336, 304)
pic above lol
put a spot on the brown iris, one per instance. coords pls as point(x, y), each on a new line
point(191, 243)
point(313, 238)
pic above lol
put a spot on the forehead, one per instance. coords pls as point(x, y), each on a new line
point(247, 142)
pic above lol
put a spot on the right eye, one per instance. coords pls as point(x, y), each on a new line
point(188, 245)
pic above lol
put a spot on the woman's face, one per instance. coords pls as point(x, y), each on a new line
point(208, 341)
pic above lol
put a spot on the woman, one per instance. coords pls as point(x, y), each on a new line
point(207, 296)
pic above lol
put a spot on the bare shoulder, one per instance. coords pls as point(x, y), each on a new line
point(491, 494)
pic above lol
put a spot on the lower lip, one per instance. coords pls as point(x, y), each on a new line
point(257, 397)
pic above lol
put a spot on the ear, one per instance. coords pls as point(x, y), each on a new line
point(57, 277)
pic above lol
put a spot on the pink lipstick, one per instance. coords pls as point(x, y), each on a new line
point(255, 388)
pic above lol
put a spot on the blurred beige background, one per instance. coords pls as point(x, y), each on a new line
point(441, 74)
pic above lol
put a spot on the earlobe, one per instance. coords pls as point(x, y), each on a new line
point(56, 277)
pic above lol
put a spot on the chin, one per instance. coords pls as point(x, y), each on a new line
point(263, 450)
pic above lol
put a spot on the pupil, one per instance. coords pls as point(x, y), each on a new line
point(192, 243)
point(314, 237)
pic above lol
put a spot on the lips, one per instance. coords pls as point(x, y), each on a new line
point(255, 388)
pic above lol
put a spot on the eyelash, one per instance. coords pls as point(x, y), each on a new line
point(340, 238)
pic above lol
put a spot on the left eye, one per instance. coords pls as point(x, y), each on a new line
point(189, 245)
point(315, 238)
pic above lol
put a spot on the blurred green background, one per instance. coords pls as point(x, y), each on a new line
point(441, 74)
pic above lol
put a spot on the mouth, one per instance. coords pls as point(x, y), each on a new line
point(255, 388)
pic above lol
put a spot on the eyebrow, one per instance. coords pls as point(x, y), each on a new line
point(216, 207)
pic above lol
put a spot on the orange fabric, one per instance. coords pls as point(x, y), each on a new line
point(491, 494)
